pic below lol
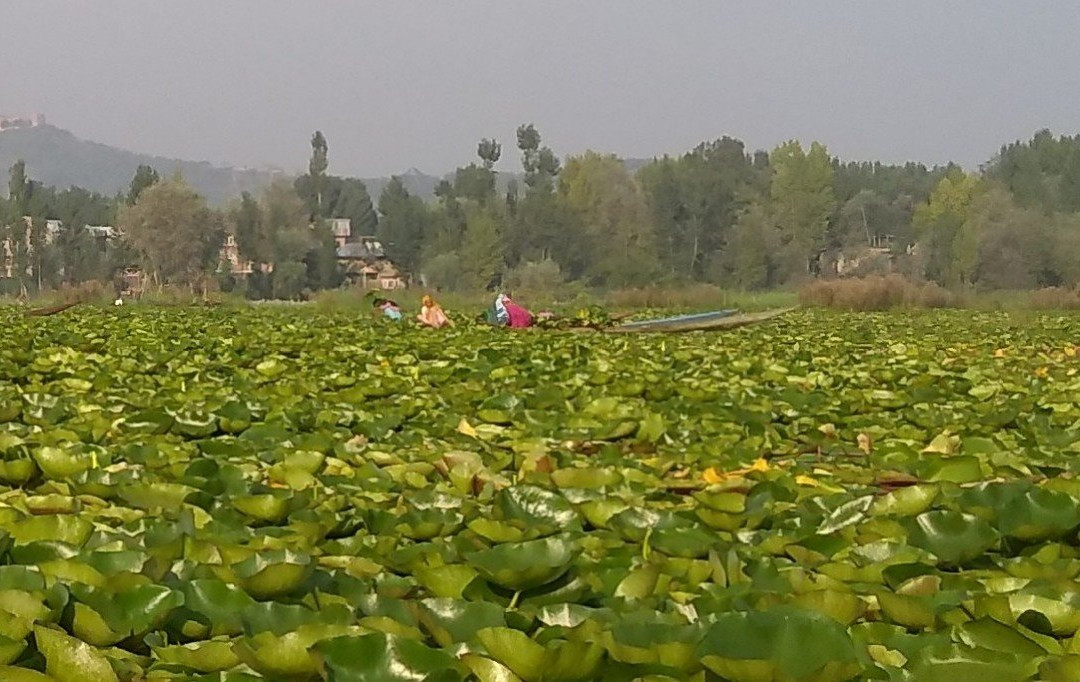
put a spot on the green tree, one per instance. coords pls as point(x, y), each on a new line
point(445, 272)
point(482, 250)
point(288, 280)
point(863, 219)
point(948, 251)
point(489, 152)
point(178, 237)
point(403, 224)
point(19, 233)
point(694, 201)
point(477, 182)
point(539, 227)
point(39, 254)
point(321, 262)
point(285, 223)
point(447, 226)
point(1042, 173)
point(276, 230)
point(750, 260)
point(803, 200)
point(609, 204)
point(145, 176)
point(253, 240)
point(540, 164)
point(670, 216)
point(354, 203)
point(17, 189)
point(317, 169)
point(1008, 244)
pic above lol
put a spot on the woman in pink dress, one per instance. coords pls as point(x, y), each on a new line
point(515, 315)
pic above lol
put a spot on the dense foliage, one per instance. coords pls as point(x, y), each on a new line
point(279, 494)
point(717, 214)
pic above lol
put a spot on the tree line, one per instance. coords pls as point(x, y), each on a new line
point(717, 213)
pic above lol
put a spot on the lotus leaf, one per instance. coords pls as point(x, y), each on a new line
point(523, 565)
point(69, 660)
point(772, 645)
point(954, 537)
point(872, 495)
point(385, 658)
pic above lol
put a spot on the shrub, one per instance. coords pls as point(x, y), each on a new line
point(535, 278)
point(1054, 298)
point(444, 272)
point(688, 296)
point(875, 293)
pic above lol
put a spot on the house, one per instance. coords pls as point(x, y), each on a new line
point(230, 253)
point(390, 278)
point(876, 257)
point(7, 266)
point(15, 122)
point(52, 230)
point(364, 260)
point(342, 230)
point(366, 265)
point(131, 283)
point(9, 250)
point(102, 232)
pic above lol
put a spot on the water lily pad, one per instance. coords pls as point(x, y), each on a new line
point(70, 660)
point(772, 645)
point(385, 658)
point(524, 565)
point(954, 537)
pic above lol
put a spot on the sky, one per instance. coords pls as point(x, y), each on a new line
point(399, 84)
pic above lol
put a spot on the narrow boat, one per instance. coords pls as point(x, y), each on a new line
point(53, 310)
point(720, 319)
point(677, 322)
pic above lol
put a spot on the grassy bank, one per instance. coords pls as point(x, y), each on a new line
point(863, 294)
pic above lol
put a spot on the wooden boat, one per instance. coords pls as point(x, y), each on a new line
point(677, 322)
point(53, 310)
point(720, 319)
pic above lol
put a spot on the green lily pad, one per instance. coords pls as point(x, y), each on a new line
point(70, 660)
point(385, 658)
point(953, 537)
point(773, 645)
point(525, 565)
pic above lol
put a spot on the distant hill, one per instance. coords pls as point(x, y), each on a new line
point(58, 158)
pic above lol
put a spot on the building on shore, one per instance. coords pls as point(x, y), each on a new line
point(17, 122)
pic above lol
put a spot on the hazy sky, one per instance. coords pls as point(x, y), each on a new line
point(398, 83)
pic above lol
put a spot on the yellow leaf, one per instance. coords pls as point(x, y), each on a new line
point(760, 465)
point(712, 476)
point(885, 656)
point(829, 430)
point(999, 353)
point(944, 443)
point(865, 443)
point(464, 427)
point(1070, 351)
point(803, 479)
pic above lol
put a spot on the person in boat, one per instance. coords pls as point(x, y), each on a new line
point(432, 315)
point(507, 313)
point(387, 308)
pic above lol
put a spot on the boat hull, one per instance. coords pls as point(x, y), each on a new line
point(721, 319)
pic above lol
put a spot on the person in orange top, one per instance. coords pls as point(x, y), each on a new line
point(432, 315)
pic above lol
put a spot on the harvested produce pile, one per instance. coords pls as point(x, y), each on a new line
point(268, 494)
